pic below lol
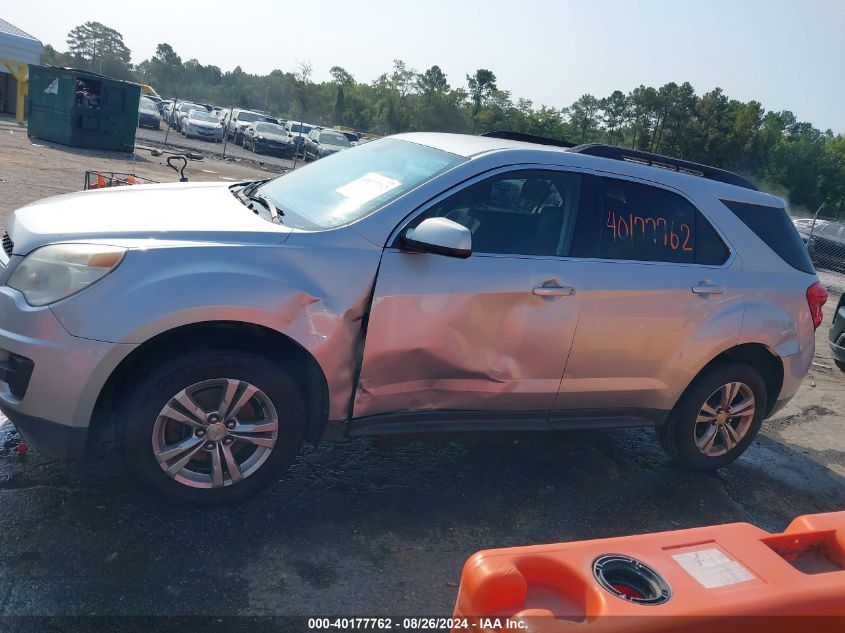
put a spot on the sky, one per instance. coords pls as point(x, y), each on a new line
point(787, 54)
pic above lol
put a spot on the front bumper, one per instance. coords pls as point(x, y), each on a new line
point(66, 374)
point(55, 440)
point(277, 149)
point(205, 133)
point(149, 120)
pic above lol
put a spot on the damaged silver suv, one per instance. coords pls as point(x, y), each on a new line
point(420, 282)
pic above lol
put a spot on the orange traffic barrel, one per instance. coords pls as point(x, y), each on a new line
point(721, 578)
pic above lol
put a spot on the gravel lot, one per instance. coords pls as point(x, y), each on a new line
point(367, 527)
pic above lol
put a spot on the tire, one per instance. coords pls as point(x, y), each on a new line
point(680, 433)
point(840, 364)
point(206, 376)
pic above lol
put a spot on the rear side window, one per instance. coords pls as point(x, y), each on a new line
point(632, 221)
point(773, 226)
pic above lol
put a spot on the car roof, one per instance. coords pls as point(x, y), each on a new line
point(476, 146)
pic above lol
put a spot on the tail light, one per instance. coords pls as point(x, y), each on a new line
point(816, 298)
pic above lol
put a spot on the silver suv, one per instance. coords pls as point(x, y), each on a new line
point(422, 282)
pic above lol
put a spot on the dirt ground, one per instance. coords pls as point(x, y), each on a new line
point(368, 527)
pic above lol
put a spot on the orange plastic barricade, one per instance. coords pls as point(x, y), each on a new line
point(720, 578)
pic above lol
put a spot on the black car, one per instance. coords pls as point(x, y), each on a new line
point(268, 138)
point(837, 334)
point(827, 246)
point(148, 115)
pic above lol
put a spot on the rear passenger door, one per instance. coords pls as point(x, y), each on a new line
point(487, 333)
point(658, 300)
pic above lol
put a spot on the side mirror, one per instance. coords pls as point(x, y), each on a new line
point(440, 236)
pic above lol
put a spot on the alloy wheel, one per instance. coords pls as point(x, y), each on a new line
point(724, 419)
point(215, 433)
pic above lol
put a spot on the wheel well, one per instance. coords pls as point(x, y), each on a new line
point(759, 357)
point(247, 337)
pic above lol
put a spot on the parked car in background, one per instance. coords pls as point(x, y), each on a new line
point(352, 137)
point(827, 246)
point(236, 124)
point(805, 226)
point(298, 131)
point(148, 115)
point(268, 138)
point(320, 143)
point(164, 108)
point(422, 282)
point(179, 108)
point(837, 334)
point(157, 100)
point(202, 124)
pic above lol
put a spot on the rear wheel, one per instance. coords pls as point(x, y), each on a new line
point(717, 418)
point(213, 427)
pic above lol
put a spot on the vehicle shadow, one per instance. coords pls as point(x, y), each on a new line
point(365, 526)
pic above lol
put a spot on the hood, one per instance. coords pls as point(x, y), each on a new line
point(282, 138)
point(200, 123)
point(177, 212)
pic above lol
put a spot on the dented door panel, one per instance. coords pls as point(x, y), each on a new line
point(465, 334)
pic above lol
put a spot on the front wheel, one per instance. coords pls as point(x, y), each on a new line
point(717, 418)
point(840, 364)
point(213, 427)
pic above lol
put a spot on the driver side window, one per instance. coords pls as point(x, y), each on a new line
point(529, 212)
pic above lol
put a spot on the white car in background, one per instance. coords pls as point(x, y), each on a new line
point(202, 124)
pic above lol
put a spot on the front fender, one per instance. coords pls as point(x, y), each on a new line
point(315, 299)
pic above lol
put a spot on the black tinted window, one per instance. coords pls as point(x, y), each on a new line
point(642, 223)
point(520, 213)
point(773, 226)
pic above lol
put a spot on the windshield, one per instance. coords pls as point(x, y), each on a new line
point(333, 138)
point(202, 115)
point(187, 106)
point(146, 104)
point(296, 128)
point(347, 186)
point(249, 117)
point(269, 128)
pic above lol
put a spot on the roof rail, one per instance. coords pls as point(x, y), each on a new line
point(527, 138)
point(666, 162)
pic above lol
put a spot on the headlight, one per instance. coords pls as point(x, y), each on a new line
point(57, 271)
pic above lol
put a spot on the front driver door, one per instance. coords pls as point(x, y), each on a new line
point(488, 333)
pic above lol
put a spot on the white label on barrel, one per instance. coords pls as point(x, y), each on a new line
point(713, 568)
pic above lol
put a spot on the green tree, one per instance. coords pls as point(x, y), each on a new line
point(585, 117)
point(432, 82)
point(481, 86)
point(97, 47)
point(615, 108)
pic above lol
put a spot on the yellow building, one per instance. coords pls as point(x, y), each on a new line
point(17, 51)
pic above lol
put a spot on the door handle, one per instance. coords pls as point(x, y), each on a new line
point(553, 291)
point(706, 288)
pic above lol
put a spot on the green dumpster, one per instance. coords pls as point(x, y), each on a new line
point(82, 109)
